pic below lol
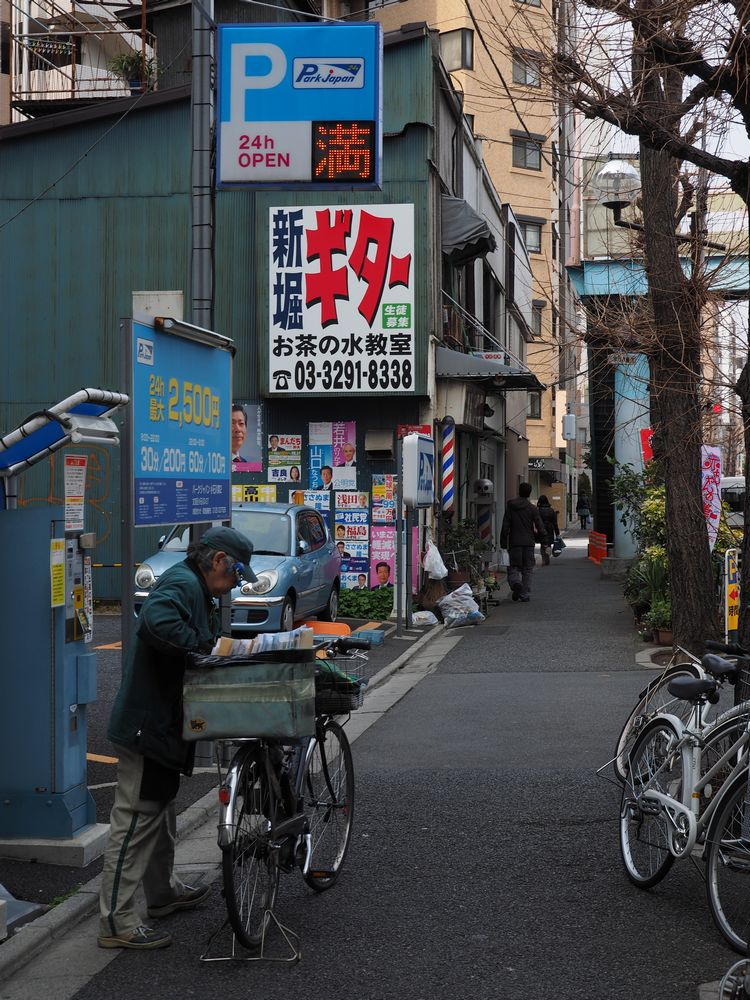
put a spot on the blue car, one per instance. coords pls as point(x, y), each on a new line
point(296, 562)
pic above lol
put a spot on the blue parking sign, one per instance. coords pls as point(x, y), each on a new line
point(299, 105)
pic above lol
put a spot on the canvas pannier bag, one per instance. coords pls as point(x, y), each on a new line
point(271, 695)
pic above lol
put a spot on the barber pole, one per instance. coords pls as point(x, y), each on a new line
point(449, 454)
point(484, 523)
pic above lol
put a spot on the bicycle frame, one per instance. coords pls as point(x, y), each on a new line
point(690, 746)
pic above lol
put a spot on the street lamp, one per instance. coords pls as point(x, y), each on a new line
point(616, 186)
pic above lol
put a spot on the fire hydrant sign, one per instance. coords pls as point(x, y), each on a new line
point(299, 105)
point(341, 300)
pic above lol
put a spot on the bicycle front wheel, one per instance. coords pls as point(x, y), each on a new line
point(654, 700)
point(655, 762)
point(728, 865)
point(250, 872)
point(328, 802)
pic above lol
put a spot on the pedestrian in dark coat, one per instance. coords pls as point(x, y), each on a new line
point(548, 515)
point(522, 528)
point(583, 509)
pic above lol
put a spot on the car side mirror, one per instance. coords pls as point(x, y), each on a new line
point(162, 540)
point(303, 547)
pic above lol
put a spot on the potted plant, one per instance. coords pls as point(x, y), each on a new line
point(137, 71)
point(659, 619)
point(463, 551)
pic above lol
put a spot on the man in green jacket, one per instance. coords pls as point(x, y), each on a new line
point(179, 617)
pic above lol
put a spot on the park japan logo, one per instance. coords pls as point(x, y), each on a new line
point(326, 74)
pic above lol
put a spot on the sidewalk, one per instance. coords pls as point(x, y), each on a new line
point(196, 830)
point(484, 862)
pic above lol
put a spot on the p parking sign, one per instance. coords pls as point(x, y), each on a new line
point(300, 105)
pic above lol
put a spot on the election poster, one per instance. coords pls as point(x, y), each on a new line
point(328, 448)
point(254, 494)
point(382, 557)
point(247, 436)
point(285, 458)
point(384, 499)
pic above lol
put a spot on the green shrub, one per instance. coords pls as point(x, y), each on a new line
point(660, 615)
point(374, 605)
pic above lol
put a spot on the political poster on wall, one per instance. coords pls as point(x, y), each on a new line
point(355, 574)
point(328, 448)
point(352, 525)
point(285, 458)
point(247, 436)
point(341, 299)
point(382, 557)
point(351, 500)
point(254, 494)
point(384, 499)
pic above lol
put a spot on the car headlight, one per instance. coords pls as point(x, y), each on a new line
point(266, 581)
point(144, 577)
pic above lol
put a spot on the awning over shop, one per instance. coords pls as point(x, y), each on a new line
point(465, 236)
point(475, 368)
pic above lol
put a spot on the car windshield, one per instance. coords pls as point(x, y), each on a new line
point(268, 531)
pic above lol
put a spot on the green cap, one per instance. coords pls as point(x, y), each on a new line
point(231, 541)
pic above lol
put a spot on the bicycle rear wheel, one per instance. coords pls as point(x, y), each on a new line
point(644, 829)
point(328, 802)
point(249, 869)
point(728, 866)
point(653, 700)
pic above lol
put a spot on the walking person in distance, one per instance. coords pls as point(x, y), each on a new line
point(522, 528)
point(583, 509)
point(548, 515)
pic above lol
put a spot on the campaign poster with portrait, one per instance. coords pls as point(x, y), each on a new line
point(332, 455)
point(351, 525)
point(355, 573)
point(318, 499)
point(285, 458)
point(384, 499)
point(247, 436)
point(382, 551)
point(254, 494)
point(351, 500)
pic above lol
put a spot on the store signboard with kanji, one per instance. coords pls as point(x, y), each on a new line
point(299, 105)
point(341, 300)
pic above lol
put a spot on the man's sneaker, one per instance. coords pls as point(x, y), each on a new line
point(191, 897)
point(142, 939)
point(516, 588)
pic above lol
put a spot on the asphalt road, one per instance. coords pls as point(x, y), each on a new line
point(485, 859)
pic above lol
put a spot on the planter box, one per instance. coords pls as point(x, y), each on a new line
point(663, 636)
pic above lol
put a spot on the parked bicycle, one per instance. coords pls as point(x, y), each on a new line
point(655, 699)
point(284, 807)
point(684, 796)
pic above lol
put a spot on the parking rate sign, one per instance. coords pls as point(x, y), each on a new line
point(299, 105)
point(181, 407)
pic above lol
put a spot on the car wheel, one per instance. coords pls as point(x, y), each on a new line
point(287, 614)
point(331, 610)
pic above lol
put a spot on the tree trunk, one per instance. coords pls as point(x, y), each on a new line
point(676, 374)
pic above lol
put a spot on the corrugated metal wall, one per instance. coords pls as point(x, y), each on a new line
point(91, 212)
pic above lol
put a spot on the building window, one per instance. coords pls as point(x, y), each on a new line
point(534, 406)
point(526, 69)
point(457, 49)
point(532, 236)
point(527, 154)
point(555, 241)
point(531, 3)
point(536, 319)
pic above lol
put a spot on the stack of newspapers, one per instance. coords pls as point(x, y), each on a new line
point(298, 638)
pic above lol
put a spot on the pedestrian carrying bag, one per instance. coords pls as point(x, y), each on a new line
point(271, 695)
point(557, 546)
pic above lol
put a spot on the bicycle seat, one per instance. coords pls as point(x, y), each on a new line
point(687, 688)
point(718, 666)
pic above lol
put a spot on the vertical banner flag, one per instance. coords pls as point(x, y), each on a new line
point(710, 481)
point(449, 449)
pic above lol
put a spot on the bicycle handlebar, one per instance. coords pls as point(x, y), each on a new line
point(730, 648)
point(346, 643)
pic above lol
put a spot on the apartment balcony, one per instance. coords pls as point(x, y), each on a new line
point(61, 54)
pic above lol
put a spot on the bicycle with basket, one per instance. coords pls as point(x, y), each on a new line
point(286, 799)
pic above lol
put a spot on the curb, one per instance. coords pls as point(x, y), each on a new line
point(38, 934)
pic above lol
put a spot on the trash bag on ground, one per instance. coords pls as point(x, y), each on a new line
point(459, 608)
point(433, 563)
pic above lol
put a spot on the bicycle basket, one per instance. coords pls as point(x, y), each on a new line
point(742, 687)
point(268, 695)
point(339, 687)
